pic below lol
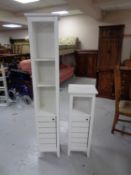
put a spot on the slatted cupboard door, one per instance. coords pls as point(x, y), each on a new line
point(43, 34)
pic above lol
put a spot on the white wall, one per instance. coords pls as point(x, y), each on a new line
point(4, 38)
point(18, 34)
point(83, 27)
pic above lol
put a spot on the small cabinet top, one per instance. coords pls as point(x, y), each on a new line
point(82, 89)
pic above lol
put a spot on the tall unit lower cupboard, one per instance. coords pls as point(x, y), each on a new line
point(43, 36)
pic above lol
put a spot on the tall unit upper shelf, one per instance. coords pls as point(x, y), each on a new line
point(43, 34)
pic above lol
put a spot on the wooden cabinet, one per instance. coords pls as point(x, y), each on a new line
point(126, 82)
point(86, 61)
point(109, 55)
point(106, 84)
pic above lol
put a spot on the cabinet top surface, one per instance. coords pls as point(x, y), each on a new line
point(82, 89)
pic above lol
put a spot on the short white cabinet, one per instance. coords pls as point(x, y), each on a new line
point(81, 116)
point(43, 35)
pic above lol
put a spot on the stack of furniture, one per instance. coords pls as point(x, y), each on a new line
point(43, 33)
point(109, 55)
point(3, 87)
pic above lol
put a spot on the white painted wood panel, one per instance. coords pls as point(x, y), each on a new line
point(80, 118)
point(80, 124)
point(79, 140)
point(47, 135)
point(47, 141)
point(47, 130)
point(43, 35)
point(77, 135)
point(79, 130)
point(46, 124)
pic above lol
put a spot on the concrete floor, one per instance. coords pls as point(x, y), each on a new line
point(110, 154)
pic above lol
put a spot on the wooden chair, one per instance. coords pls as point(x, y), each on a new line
point(122, 107)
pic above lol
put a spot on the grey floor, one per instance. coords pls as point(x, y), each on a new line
point(110, 154)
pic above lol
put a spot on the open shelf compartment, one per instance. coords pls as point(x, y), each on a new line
point(44, 39)
point(45, 73)
point(46, 100)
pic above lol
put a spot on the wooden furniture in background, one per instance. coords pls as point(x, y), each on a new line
point(80, 118)
point(109, 55)
point(43, 31)
point(86, 61)
point(122, 107)
point(126, 78)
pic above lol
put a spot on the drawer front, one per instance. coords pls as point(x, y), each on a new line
point(47, 141)
point(79, 140)
point(46, 130)
point(79, 130)
point(80, 119)
point(80, 124)
point(47, 135)
point(46, 124)
point(45, 118)
point(79, 135)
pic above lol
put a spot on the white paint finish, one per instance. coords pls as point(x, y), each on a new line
point(47, 136)
point(80, 124)
point(46, 124)
point(46, 130)
point(82, 89)
point(79, 130)
point(42, 68)
point(44, 44)
point(82, 92)
point(79, 135)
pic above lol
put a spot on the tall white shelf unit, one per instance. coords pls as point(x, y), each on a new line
point(43, 34)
